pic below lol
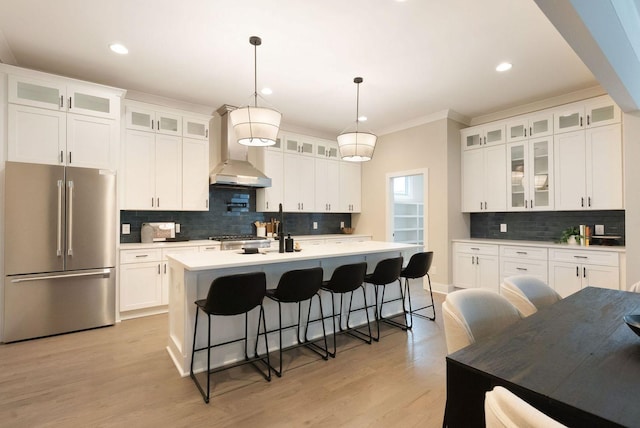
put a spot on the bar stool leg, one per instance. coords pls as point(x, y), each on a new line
point(432, 305)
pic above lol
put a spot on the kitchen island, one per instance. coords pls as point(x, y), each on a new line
point(192, 274)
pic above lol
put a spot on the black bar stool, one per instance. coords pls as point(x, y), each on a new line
point(418, 266)
point(387, 271)
point(297, 286)
point(233, 295)
point(347, 279)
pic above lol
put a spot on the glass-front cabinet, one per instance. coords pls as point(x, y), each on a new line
point(524, 127)
point(530, 175)
point(486, 135)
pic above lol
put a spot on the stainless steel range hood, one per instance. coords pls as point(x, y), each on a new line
point(235, 169)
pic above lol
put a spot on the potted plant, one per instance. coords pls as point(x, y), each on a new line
point(570, 235)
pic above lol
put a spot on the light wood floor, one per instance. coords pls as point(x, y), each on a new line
point(122, 376)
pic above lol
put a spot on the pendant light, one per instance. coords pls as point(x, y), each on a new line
point(253, 125)
point(356, 146)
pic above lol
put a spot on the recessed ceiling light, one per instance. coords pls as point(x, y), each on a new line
point(362, 119)
point(119, 49)
point(504, 66)
point(266, 91)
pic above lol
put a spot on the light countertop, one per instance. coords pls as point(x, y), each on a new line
point(543, 244)
point(236, 258)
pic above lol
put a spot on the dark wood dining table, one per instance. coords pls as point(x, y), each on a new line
point(576, 360)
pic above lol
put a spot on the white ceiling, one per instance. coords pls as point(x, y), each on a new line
point(418, 57)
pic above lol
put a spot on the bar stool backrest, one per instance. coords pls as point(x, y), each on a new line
point(419, 265)
point(299, 285)
point(386, 271)
point(347, 278)
point(236, 294)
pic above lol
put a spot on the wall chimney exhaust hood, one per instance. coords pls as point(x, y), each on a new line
point(235, 169)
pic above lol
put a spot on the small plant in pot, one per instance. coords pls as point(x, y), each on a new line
point(570, 235)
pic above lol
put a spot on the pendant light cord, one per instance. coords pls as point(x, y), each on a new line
point(255, 75)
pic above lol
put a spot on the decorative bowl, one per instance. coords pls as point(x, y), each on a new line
point(348, 230)
point(633, 321)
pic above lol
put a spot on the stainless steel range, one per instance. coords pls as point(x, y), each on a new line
point(237, 242)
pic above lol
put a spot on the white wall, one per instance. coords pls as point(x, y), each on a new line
point(631, 138)
point(435, 146)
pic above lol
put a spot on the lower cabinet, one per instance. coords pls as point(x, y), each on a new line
point(140, 279)
point(475, 265)
point(517, 260)
point(144, 277)
point(572, 270)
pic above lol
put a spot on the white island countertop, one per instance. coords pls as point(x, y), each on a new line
point(237, 258)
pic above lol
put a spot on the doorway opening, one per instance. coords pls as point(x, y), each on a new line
point(407, 193)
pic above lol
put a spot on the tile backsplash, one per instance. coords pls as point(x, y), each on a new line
point(225, 217)
point(543, 225)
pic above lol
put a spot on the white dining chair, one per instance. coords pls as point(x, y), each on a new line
point(528, 293)
point(472, 314)
point(503, 409)
point(635, 288)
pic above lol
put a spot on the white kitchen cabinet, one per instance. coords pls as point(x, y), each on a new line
point(152, 171)
point(299, 183)
point(195, 174)
point(195, 128)
point(327, 185)
point(588, 169)
point(64, 95)
point(530, 126)
point(146, 119)
point(62, 122)
point(590, 113)
point(530, 177)
point(572, 270)
point(271, 163)
point(56, 138)
point(476, 266)
point(327, 149)
point(350, 187)
point(484, 175)
point(166, 159)
point(298, 144)
point(140, 279)
point(485, 135)
point(522, 260)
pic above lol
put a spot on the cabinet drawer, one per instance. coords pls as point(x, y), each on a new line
point(484, 249)
point(529, 253)
point(537, 268)
point(137, 256)
point(211, 247)
point(603, 258)
point(180, 250)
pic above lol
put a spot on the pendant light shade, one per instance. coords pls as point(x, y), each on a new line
point(253, 125)
point(357, 146)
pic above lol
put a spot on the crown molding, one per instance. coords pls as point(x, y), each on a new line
point(433, 117)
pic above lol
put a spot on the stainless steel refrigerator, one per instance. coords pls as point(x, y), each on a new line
point(60, 233)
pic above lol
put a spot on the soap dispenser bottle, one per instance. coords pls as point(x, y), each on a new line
point(288, 244)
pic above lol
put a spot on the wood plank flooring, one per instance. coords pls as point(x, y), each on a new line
point(122, 376)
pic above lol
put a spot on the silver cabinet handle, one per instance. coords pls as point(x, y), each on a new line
point(526, 203)
point(158, 204)
point(61, 156)
point(522, 252)
point(581, 257)
point(70, 220)
point(158, 268)
point(477, 260)
point(61, 101)
point(142, 255)
point(59, 234)
point(165, 268)
point(522, 269)
point(69, 158)
point(70, 104)
point(588, 120)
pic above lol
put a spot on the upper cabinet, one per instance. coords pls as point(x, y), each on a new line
point(531, 175)
point(485, 135)
point(165, 159)
point(525, 127)
point(350, 187)
point(327, 149)
point(67, 96)
point(298, 144)
point(563, 158)
point(62, 122)
point(591, 113)
point(143, 119)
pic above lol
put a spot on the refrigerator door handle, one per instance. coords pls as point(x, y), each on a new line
point(41, 278)
point(59, 232)
point(70, 220)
